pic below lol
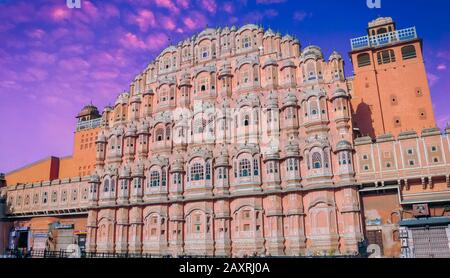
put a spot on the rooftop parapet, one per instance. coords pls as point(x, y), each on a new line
point(89, 124)
point(406, 34)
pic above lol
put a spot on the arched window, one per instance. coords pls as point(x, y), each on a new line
point(137, 183)
point(124, 184)
point(255, 167)
point(163, 177)
point(325, 159)
point(113, 185)
point(386, 56)
point(246, 120)
point(106, 185)
point(316, 160)
point(154, 179)
point(208, 170)
point(363, 60)
point(409, 52)
point(159, 134)
point(314, 110)
point(168, 133)
point(200, 125)
point(197, 171)
point(244, 168)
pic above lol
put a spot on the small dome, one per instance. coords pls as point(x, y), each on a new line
point(343, 145)
point(287, 37)
point(287, 63)
point(131, 131)
point(88, 110)
point(335, 55)
point(339, 92)
point(313, 52)
point(206, 32)
point(101, 138)
point(269, 33)
point(94, 178)
point(290, 100)
point(125, 172)
point(272, 100)
point(270, 62)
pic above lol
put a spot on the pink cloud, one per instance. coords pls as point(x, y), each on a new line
point(130, 40)
point(432, 79)
point(111, 11)
point(183, 3)
point(157, 41)
point(41, 57)
point(168, 4)
point(228, 7)
point(300, 15)
point(74, 64)
point(209, 5)
point(144, 19)
point(35, 74)
point(268, 2)
point(36, 34)
point(444, 55)
point(60, 13)
point(195, 21)
point(102, 75)
point(168, 23)
point(441, 67)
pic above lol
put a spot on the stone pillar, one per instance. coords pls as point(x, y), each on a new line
point(350, 211)
point(294, 224)
point(222, 233)
point(176, 229)
point(122, 230)
point(135, 231)
point(91, 241)
point(274, 225)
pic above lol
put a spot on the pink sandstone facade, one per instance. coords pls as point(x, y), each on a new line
point(237, 142)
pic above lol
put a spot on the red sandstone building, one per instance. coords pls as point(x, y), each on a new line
point(237, 142)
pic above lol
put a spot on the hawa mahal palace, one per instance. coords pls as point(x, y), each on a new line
point(240, 142)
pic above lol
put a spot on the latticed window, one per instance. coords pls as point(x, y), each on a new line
point(255, 167)
point(244, 168)
point(197, 171)
point(292, 164)
point(409, 52)
point(386, 57)
point(246, 120)
point(168, 133)
point(316, 160)
point(246, 42)
point(363, 60)
point(124, 184)
point(208, 170)
point(106, 185)
point(325, 159)
point(314, 109)
point(200, 125)
point(290, 113)
point(163, 177)
point(154, 179)
point(137, 183)
point(159, 134)
point(204, 52)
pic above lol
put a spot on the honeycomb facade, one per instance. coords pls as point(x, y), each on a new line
point(234, 142)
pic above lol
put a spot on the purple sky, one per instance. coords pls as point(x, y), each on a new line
point(54, 60)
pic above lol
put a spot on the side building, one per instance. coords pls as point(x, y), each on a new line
point(45, 203)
